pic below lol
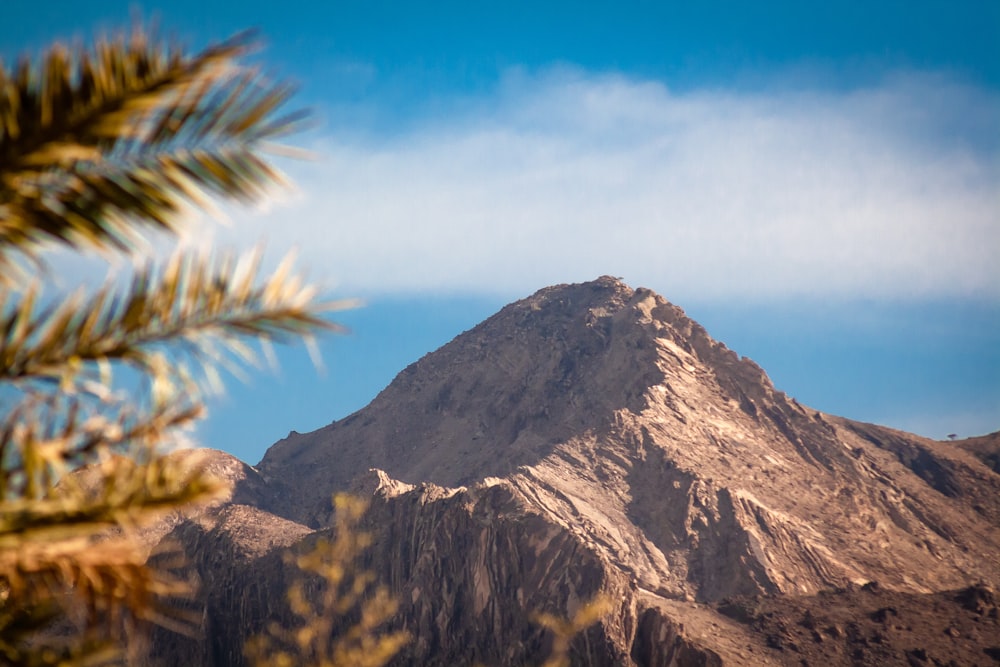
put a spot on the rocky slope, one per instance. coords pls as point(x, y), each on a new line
point(592, 438)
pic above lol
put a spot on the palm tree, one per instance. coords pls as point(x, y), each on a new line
point(99, 148)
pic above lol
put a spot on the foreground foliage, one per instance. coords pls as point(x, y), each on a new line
point(564, 630)
point(99, 148)
point(344, 591)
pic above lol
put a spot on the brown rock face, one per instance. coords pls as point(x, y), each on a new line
point(592, 438)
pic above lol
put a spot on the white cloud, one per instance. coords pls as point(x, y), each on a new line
point(886, 191)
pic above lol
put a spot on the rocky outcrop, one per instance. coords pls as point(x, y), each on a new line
point(593, 439)
point(235, 556)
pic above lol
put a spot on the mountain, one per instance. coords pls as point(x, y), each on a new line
point(594, 439)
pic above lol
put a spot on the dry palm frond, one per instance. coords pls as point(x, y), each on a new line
point(68, 546)
point(42, 501)
point(77, 593)
point(94, 143)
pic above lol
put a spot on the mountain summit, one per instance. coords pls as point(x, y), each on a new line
point(673, 456)
point(592, 438)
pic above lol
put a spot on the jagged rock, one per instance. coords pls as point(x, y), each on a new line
point(235, 555)
point(592, 438)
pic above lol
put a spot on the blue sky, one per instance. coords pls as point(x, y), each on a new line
point(817, 184)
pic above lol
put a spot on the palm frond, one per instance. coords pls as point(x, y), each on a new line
point(49, 435)
point(94, 143)
point(206, 307)
point(97, 148)
point(67, 598)
point(68, 545)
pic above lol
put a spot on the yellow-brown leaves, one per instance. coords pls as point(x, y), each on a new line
point(564, 630)
point(317, 641)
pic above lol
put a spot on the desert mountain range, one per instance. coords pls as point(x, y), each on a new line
point(592, 438)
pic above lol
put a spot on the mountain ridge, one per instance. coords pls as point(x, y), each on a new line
point(592, 438)
point(501, 341)
point(592, 379)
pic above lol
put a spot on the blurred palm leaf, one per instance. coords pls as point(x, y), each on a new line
point(73, 568)
point(97, 149)
point(203, 307)
point(92, 143)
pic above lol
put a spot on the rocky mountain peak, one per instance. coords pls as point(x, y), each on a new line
point(593, 438)
point(544, 369)
point(610, 405)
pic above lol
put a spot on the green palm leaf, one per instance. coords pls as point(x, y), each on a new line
point(97, 149)
point(208, 307)
point(95, 145)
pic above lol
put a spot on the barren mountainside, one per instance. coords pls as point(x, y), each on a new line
point(592, 438)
